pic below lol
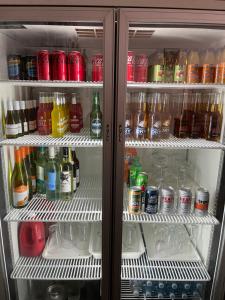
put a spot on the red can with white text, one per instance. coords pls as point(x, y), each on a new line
point(43, 65)
point(141, 68)
point(97, 67)
point(76, 66)
point(59, 66)
point(130, 66)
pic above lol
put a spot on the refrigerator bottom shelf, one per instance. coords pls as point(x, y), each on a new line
point(126, 294)
point(57, 269)
point(145, 269)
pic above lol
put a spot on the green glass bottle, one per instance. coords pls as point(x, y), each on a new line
point(96, 118)
point(52, 176)
point(40, 170)
point(66, 176)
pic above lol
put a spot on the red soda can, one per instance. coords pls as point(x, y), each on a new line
point(141, 68)
point(59, 67)
point(130, 66)
point(43, 65)
point(97, 67)
point(76, 66)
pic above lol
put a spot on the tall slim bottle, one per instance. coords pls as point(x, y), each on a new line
point(24, 118)
point(66, 176)
point(20, 186)
point(11, 122)
point(155, 122)
point(186, 117)
point(76, 167)
point(16, 106)
point(140, 117)
point(74, 170)
point(26, 166)
point(52, 176)
point(40, 170)
point(32, 165)
point(197, 125)
point(215, 119)
point(128, 118)
point(3, 120)
point(58, 122)
point(165, 117)
point(96, 118)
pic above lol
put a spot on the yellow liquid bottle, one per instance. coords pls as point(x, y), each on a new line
point(57, 117)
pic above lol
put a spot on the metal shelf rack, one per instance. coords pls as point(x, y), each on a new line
point(57, 269)
point(53, 83)
point(144, 269)
point(160, 85)
point(81, 139)
point(86, 206)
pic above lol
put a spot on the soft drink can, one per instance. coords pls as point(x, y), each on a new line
point(14, 67)
point(185, 197)
point(59, 67)
point(43, 65)
point(141, 68)
point(130, 66)
point(142, 181)
point(76, 66)
point(167, 200)
point(134, 200)
point(97, 67)
point(201, 202)
point(151, 199)
point(31, 67)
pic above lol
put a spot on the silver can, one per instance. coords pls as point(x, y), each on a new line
point(56, 292)
point(167, 200)
point(201, 202)
point(184, 201)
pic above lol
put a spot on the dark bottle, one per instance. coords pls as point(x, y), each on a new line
point(96, 118)
point(186, 117)
point(76, 167)
point(66, 176)
point(27, 168)
point(16, 106)
point(23, 118)
point(11, 126)
point(165, 118)
point(197, 125)
point(177, 105)
point(215, 119)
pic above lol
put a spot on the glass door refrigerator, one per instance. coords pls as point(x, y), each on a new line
point(56, 79)
point(169, 169)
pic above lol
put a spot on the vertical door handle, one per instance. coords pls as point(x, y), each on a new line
point(107, 133)
point(120, 133)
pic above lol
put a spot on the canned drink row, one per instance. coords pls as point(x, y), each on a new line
point(152, 200)
point(56, 65)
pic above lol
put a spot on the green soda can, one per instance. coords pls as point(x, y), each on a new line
point(142, 181)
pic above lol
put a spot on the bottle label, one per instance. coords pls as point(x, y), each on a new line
point(193, 73)
point(51, 181)
point(156, 130)
point(157, 73)
point(33, 179)
point(74, 122)
point(20, 196)
point(65, 182)
point(40, 173)
point(179, 73)
point(25, 126)
point(32, 125)
point(78, 175)
point(11, 129)
point(221, 73)
point(19, 128)
point(140, 131)
point(96, 126)
point(74, 183)
point(208, 73)
point(128, 128)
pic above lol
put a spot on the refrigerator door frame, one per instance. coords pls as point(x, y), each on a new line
point(73, 14)
point(203, 19)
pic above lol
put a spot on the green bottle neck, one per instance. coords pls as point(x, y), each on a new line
point(96, 102)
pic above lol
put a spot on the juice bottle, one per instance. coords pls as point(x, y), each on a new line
point(193, 67)
point(208, 67)
point(57, 117)
point(180, 67)
point(221, 76)
point(43, 115)
point(157, 67)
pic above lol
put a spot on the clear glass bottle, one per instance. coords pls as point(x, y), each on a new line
point(66, 176)
point(52, 176)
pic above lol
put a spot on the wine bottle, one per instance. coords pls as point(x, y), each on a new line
point(20, 187)
point(26, 167)
point(33, 169)
point(76, 167)
point(40, 170)
point(24, 118)
point(16, 106)
point(11, 123)
point(52, 174)
point(66, 176)
point(3, 120)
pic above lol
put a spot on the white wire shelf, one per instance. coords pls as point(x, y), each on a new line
point(86, 206)
point(57, 269)
point(159, 85)
point(53, 83)
point(81, 139)
point(144, 269)
point(126, 293)
point(175, 143)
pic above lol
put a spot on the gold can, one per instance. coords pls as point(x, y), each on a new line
point(134, 200)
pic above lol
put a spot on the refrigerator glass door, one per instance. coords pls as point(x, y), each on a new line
point(169, 159)
point(56, 76)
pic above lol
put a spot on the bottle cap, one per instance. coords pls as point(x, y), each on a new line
point(16, 105)
point(10, 105)
point(51, 152)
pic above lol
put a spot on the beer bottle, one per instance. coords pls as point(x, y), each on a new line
point(155, 124)
point(11, 122)
point(186, 117)
point(215, 119)
point(140, 117)
point(40, 171)
point(197, 124)
point(26, 170)
point(177, 103)
point(66, 176)
point(96, 118)
point(165, 118)
point(206, 104)
point(128, 118)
